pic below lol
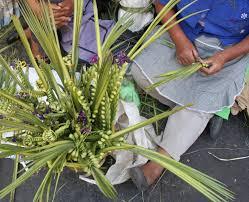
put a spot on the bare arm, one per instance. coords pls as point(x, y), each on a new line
point(218, 60)
point(185, 50)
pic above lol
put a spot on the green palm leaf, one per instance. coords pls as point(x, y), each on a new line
point(78, 13)
point(213, 189)
point(103, 183)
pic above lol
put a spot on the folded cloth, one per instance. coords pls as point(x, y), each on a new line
point(242, 101)
point(141, 14)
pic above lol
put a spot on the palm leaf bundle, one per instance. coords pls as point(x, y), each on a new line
point(70, 121)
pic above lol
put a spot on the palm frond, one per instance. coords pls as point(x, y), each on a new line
point(78, 13)
point(183, 72)
point(103, 183)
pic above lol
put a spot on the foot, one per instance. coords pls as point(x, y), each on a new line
point(152, 172)
point(146, 175)
point(215, 125)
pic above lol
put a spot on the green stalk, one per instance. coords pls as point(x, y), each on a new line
point(14, 177)
point(34, 169)
point(178, 74)
point(16, 101)
point(103, 183)
point(8, 46)
point(20, 126)
point(6, 130)
point(26, 44)
point(147, 122)
point(39, 194)
point(11, 72)
point(97, 30)
point(78, 13)
point(164, 28)
point(171, 4)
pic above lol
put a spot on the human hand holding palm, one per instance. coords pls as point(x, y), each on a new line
point(62, 12)
point(186, 52)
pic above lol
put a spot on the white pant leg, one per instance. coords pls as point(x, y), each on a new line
point(182, 130)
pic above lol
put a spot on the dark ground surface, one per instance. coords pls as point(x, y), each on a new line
point(232, 143)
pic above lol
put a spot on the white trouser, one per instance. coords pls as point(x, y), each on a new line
point(182, 129)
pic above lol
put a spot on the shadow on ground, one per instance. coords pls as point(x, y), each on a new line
point(232, 143)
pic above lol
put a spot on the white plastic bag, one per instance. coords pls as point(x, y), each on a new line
point(128, 115)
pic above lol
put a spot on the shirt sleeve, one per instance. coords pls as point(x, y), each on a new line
point(164, 2)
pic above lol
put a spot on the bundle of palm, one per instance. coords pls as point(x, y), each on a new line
point(68, 119)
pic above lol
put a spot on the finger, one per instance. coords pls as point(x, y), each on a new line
point(190, 59)
point(55, 7)
point(211, 70)
point(61, 4)
point(179, 61)
point(61, 21)
point(61, 24)
point(205, 70)
point(208, 61)
point(58, 14)
point(184, 61)
point(64, 6)
point(64, 19)
point(195, 54)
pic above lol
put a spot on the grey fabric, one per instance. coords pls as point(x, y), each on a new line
point(207, 93)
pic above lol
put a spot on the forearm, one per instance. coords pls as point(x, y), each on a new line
point(176, 33)
point(236, 51)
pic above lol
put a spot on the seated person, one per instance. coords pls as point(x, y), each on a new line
point(218, 36)
point(63, 14)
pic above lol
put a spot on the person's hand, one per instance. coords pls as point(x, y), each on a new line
point(67, 7)
point(62, 13)
point(215, 63)
point(186, 52)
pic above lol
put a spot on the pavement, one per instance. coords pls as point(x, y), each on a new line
point(233, 142)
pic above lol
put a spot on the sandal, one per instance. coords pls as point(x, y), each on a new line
point(138, 178)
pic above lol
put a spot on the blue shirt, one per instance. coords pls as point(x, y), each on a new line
point(228, 20)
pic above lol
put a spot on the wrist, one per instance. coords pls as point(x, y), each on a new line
point(223, 56)
point(180, 39)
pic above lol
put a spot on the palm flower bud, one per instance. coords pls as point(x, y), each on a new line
point(85, 130)
point(14, 139)
point(82, 118)
point(38, 115)
point(94, 59)
point(121, 58)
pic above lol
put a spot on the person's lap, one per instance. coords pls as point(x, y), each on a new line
point(184, 127)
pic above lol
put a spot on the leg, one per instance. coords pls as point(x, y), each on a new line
point(182, 130)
